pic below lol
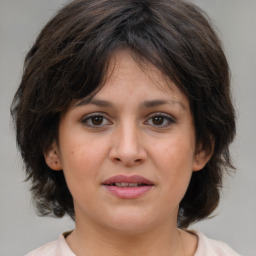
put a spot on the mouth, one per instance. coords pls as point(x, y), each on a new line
point(128, 187)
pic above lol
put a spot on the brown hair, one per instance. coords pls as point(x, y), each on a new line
point(69, 59)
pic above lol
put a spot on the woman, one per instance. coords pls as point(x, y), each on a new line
point(124, 121)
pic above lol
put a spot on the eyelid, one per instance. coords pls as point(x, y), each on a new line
point(169, 117)
point(162, 114)
point(87, 117)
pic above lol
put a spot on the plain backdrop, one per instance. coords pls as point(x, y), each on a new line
point(235, 221)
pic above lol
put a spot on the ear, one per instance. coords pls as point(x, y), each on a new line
point(201, 158)
point(52, 157)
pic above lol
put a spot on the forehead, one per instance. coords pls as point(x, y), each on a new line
point(125, 66)
point(125, 62)
point(128, 79)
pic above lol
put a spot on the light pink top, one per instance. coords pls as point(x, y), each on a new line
point(205, 247)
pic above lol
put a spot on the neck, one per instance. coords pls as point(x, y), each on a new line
point(164, 240)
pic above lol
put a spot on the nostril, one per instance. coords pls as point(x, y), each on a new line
point(128, 162)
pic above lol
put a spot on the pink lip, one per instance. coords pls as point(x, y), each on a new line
point(128, 179)
point(128, 192)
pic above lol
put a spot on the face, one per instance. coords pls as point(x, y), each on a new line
point(128, 153)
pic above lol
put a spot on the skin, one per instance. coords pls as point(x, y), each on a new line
point(129, 137)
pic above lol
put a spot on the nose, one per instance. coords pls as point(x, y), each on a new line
point(127, 147)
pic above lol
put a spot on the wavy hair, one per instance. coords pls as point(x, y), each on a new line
point(69, 60)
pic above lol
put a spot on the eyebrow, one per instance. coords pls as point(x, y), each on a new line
point(97, 102)
point(159, 102)
point(145, 104)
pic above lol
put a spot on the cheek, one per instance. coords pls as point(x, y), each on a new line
point(176, 153)
point(174, 160)
point(81, 170)
point(81, 159)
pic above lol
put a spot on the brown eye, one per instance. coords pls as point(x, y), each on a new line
point(160, 120)
point(96, 121)
point(157, 120)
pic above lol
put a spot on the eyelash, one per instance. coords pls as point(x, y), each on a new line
point(89, 118)
point(167, 120)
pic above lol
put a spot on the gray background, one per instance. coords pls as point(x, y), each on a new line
point(235, 223)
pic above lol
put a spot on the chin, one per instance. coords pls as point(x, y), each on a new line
point(130, 224)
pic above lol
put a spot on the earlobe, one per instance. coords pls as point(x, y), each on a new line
point(52, 157)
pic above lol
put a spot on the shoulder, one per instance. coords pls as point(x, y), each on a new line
point(58, 247)
point(207, 246)
point(47, 250)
